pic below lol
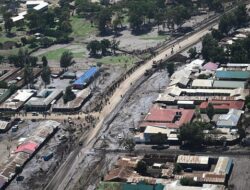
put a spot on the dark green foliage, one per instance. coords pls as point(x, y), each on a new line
point(192, 133)
point(192, 52)
point(66, 59)
point(46, 75)
point(159, 139)
point(188, 182)
point(141, 167)
point(44, 61)
point(210, 111)
point(94, 47)
point(170, 68)
point(177, 168)
point(68, 95)
point(211, 50)
point(3, 84)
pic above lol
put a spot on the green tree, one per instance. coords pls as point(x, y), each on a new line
point(28, 74)
point(192, 134)
point(114, 45)
point(44, 61)
point(211, 50)
point(159, 139)
point(66, 59)
point(170, 68)
point(185, 181)
point(94, 47)
point(210, 111)
point(13, 59)
point(192, 52)
point(177, 168)
point(65, 27)
point(68, 95)
point(105, 44)
point(104, 20)
point(141, 167)
point(46, 73)
point(3, 84)
point(8, 23)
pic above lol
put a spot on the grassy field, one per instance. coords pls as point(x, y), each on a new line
point(56, 54)
point(118, 60)
point(159, 37)
point(81, 27)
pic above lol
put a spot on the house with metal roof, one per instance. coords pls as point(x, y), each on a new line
point(229, 120)
point(222, 106)
point(167, 118)
point(42, 101)
point(226, 84)
point(85, 78)
point(202, 83)
point(194, 162)
point(229, 75)
point(180, 82)
point(17, 100)
point(73, 105)
point(210, 66)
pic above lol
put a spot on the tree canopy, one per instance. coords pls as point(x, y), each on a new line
point(192, 133)
point(66, 59)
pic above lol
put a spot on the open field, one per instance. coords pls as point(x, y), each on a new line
point(56, 54)
point(118, 60)
point(81, 27)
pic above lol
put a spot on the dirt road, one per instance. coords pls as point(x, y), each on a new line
point(69, 170)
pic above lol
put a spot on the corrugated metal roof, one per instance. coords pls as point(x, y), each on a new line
point(229, 84)
point(188, 159)
point(230, 119)
point(232, 74)
point(206, 83)
point(82, 80)
point(223, 165)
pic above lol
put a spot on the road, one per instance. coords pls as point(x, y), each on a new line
point(69, 170)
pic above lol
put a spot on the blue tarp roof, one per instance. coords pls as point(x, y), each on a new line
point(86, 76)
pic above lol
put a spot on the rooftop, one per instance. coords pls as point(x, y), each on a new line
point(230, 119)
point(224, 74)
point(223, 104)
point(188, 159)
point(229, 84)
point(210, 66)
point(171, 118)
point(17, 99)
point(44, 97)
point(84, 78)
point(203, 83)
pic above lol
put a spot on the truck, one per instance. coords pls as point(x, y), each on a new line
point(48, 156)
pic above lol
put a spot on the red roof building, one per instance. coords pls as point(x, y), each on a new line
point(223, 105)
point(27, 147)
point(210, 66)
point(167, 117)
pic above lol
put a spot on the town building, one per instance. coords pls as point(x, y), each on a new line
point(85, 78)
point(42, 101)
point(229, 120)
point(194, 162)
point(222, 106)
point(223, 74)
point(17, 100)
point(73, 105)
point(167, 118)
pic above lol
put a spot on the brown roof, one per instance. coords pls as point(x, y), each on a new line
point(121, 174)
